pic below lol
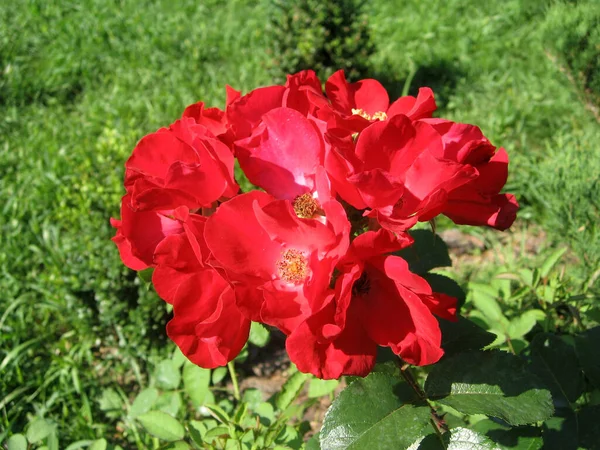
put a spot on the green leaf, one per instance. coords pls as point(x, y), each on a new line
point(428, 252)
point(259, 334)
point(167, 375)
point(560, 432)
point(493, 383)
point(445, 285)
point(589, 431)
point(551, 261)
point(218, 374)
point(587, 346)
point(377, 409)
point(195, 382)
point(98, 444)
point(516, 438)
point(162, 426)
point(290, 390)
point(220, 413)
point(312, 444)
point(169, 402)
point(146, 276)
point(253, 397)
point(178, 358)
point(143, 402)
point(39, 429)
point(463, 439)
point(319, 388)
point(484, 299)
point(556, 363)
point(521, 325)
point(16, 442)
point(179, 445)
point(463, 335)
point(219, 431)
point(111, 403)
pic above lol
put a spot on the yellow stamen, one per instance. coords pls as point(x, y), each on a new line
point(379, 115)
point(292, 266)
point(305, 206)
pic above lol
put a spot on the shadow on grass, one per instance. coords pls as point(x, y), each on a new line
point(442, 76)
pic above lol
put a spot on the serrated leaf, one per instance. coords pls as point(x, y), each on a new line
point(507, 438)
point(551, 261)
point(195, 382)
point(587, 345)
point(428, 252)
point(556, 363)
point(463, 335)
point(290, 390)
point(98, 444)
point(162, 426)
point(319, 388)
point(39, 429)
point(259, 334)
point(493, 383)
point(16, 442)
point(143, 402)
point(377, 409)
point(167, 375)
point(521, 325)
point(465, 439)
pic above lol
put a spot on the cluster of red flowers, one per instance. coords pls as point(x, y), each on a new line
point(343, 175)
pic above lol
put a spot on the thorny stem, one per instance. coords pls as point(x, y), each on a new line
point(437, 420)
point(236, 388)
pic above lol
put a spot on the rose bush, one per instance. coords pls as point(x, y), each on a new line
point(345, 175)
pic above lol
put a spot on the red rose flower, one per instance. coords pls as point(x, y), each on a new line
point(184, 165)
point(207, 325)
point(378, 301)
point(366, 101)
point(139, 232)
point(279, 264)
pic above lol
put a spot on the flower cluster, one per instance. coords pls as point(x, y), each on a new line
point(343, 175)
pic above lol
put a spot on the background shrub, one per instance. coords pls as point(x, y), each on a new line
point(321, 35)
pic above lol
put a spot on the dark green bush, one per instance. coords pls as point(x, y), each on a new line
point(572, 34)
point(321, 35)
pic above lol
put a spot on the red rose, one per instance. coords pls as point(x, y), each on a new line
point(139, 232)
point(207, 325)
point(184, 165)
point(378, 301)
point(280, 264)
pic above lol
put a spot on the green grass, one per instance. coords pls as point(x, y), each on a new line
point(81, 82)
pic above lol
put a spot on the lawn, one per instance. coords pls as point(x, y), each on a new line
point(82, 81)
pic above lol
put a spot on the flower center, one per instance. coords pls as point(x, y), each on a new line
point(361, 286)
point(379, 115)
point(292, 266)
point(306, 206)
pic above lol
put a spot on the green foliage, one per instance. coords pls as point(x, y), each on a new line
point(572, 33)
point(321, 35)
point(80, 334)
